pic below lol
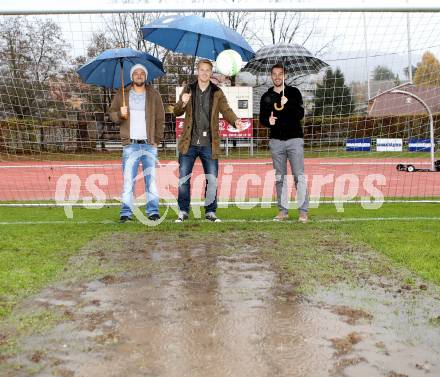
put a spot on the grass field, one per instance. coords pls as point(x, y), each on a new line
point(36, 243)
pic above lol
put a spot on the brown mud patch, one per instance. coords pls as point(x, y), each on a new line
point(204, 304)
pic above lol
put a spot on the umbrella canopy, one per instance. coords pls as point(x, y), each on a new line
point(196, 36)
point(110, 67)
point(296, 59)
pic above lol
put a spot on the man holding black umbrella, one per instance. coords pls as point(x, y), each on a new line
point(281, 110)
point(201, 102)
point(141, 122)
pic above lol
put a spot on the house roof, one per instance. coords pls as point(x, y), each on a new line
point(388, 103)
point(377, 87)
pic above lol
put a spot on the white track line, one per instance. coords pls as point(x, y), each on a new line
point(221, 204)
point(58, 166)
point(80, 166)
point(317, 221)
point(375, 163)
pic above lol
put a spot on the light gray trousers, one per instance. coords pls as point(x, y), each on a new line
point(291, 150)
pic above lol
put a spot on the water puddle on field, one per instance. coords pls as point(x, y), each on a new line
point(197, 310)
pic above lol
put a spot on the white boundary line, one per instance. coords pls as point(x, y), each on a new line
point(220, 204)
point(118, 165)
point(171, 221)
point(375, 163)
point(58, 166)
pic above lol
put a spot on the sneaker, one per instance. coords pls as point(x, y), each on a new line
point(183, 216)
point(211, 216)
point(154, 217)
point(281, 216)
point(303, 217)
point(124, 219)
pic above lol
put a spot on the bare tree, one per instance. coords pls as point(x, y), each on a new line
point(124, 30)
point(284, 26)
point(47, 49)
point(14, 47)
point(92, 98)
point(238, 21)
point(31, 52)
point(98, 44)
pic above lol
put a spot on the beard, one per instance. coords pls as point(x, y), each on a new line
point(139, 83)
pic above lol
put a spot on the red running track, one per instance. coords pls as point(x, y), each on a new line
point(238, 179)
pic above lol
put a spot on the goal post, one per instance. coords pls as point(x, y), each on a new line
point(56, 137)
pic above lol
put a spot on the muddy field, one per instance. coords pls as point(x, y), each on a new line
point(218, 305)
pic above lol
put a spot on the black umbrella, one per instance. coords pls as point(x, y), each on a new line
point(296, 59)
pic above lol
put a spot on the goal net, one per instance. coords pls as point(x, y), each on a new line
point(374, 103)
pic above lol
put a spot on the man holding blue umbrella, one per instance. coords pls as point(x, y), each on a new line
point(201, 101)
point(141, 122)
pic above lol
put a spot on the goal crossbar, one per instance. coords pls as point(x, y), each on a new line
point(251, 6)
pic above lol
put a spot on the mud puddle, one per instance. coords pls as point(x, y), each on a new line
point(186, 307)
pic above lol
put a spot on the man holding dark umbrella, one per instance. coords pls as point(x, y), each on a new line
point(141, 129)
point(281, 109)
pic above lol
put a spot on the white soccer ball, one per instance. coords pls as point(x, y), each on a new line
point(228, 63)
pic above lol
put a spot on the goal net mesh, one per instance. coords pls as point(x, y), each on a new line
point(367, 110)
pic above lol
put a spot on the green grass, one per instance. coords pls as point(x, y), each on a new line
point(412, 244)
point(33, 255)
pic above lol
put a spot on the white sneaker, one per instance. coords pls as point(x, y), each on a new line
point(183, 216)
point(282, 216)
point(303, 217)
point(211, 216)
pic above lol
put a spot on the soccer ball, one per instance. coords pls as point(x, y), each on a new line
point(228, 63)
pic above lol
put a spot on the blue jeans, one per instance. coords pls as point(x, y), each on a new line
point(210, 168)
point(132, 155)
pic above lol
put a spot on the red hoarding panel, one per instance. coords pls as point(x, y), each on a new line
point(226, 130)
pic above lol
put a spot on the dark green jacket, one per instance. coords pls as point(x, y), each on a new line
point(218, 104)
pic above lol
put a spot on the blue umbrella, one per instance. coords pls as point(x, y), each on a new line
point(196, 36)
point(109, 68)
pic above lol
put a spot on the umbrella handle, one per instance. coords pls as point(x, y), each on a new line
point(278, 108)
point(122, 82)
point(275, 105)
point(123, 86)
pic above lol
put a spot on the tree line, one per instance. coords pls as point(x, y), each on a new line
point(38, 78)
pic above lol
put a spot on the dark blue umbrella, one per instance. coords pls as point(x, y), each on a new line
point(196, 36)
point(105, 70)
point(109, 68)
